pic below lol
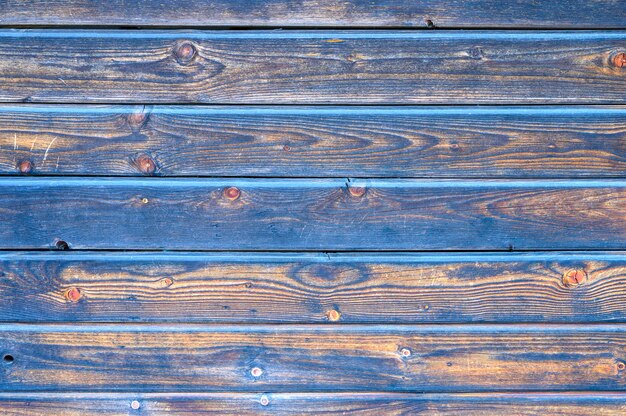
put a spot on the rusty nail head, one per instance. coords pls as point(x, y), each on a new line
point(185, 52)
point(619, 60)
point(405, 352)
point(232, 193)
point(574, 277)
point(356, 191)
point(256, 372)
point(621, 366)
point(135, 405)
point(145, 164)
point(333, 315)
point(73, 294)
point(265, 400)
point(25, 166)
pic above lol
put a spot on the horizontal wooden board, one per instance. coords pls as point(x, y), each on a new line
point(288, 214)
point(313, 141)
point(312, 67)
point(289, 13)
point(330, 358)
point(312, 288)
point(375, 404)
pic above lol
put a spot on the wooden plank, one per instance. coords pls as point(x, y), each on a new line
point(289, 214)
point(289, 13)
point(330, 358)
point(477, 404)
point(312, 288)
point(313, 141)
point(312, 67)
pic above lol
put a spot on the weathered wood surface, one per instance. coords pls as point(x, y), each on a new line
point(312, 288)
point(374, 404)
point(333, 13)
point(331, 358)
point(313, 141)
point(289, 214)
point(312, 67)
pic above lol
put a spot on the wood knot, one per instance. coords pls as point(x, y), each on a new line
point(185, 52)
point(574, 277)
point(25, 167)
point(619, 60)
point(166, 282)
point(73, 294)
point(475, 53)
point(145, 164)
point(356, 191)
point(333, 315)
point(137, 119)
point(232, 193)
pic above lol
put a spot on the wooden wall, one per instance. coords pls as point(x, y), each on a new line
point(313, 207)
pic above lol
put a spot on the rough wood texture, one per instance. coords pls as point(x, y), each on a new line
point(352, 13)
point(374, 404)
point(329, 358)
point(309, 67)
point(315, 142)
point(312, 288)
point(283, 214)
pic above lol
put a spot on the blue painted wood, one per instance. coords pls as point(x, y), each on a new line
point(517, 142)
point(312, 358)
point(313, 67)
point(340, 13)
point(276, 403)
point(311, 287)
point(289, 214)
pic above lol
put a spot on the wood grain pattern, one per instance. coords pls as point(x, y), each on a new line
point(284, 214)
point(312, 67)
point(315, 142)
point(307, 288)
point(374, 404)
point(286, 13)
point(309, 358)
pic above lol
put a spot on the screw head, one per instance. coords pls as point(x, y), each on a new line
point(135, 405)
point(73, 294)
point(25, 167)
point(405, 352)
point(185, 52)
point(264, 400)
point(145, 164)
point(621, 366)
point(574, 277)
point(232, 193)
point(256, 372)
point(619, 60)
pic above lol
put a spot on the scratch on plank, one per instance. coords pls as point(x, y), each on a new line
point(45, 155)
point(33, 145)
point(14, 141)
point(56, 168)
